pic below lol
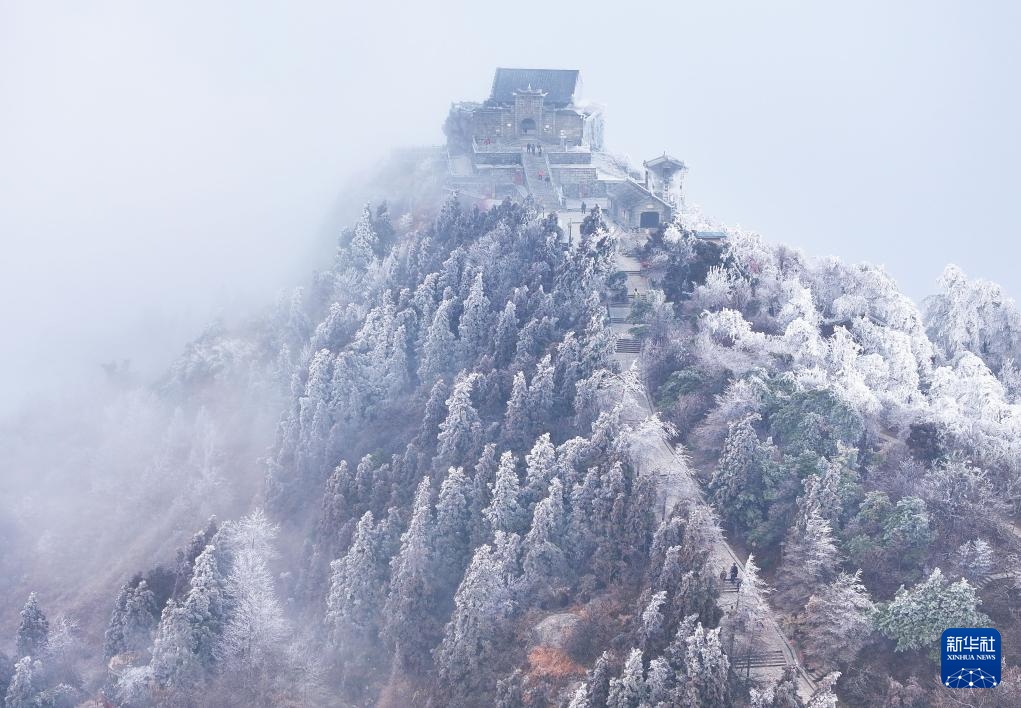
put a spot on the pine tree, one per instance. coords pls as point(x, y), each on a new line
point(453, 533)
point(653, 630)
point(34, 630)
point(474, 330)
point(838, 621)
point(113, 638)
point(916, 618)
point(22, 689)
point(505, 339)
point(460, 436)
point(598, 683)
point(544, 560)
point(483, 608)
point(975, 559)
point(540, 395)
point(140, 617)
point(504, 512)
point(539, 471)
point(363, 242)
point(438, 344)
point(658, 683)
point(706, 671)
point(810, 560)
point(517, 425)
point(628, 689)
point(745, 624)
point(410, 627)
point(357, 590)
point(738, 481)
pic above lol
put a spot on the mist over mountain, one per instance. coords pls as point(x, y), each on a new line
point(534, 430)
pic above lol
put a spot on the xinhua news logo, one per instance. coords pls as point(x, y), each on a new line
point(970, 657)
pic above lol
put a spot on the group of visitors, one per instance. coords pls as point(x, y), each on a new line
point(533, 148)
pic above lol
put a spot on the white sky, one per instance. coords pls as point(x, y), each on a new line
point(160, 162)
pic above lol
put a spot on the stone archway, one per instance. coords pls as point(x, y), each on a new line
point(528, 126)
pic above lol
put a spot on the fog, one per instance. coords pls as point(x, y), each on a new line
point(163, 164)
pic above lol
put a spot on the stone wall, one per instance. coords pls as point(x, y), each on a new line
point(569, 158)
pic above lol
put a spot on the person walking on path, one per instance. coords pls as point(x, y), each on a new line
point(733, 566)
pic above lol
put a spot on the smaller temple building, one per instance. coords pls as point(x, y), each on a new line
point(535, 136)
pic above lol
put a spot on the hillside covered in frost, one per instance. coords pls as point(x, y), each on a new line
point(418, 482)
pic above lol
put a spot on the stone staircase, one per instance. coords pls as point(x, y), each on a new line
point(542, 191)
point(628, 345)
point(770, 659)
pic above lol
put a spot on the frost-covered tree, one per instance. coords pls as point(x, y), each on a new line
point(782, 693)
point(810, 560)
point(357, 590)
point(628, 689)
point(706, 670)
point(453, 532)
point(743, 476)
point(539, 471)
point(460, 435)
point(34, 629)
point(744, 625)
point(133, 620)
point(916, 618)
point(658, 683)
point(21, 692)
point(409, 626)
point(544, 560)
point(837, 622)
point(438, 345)
point(517, 423)
point(653, 629)
point(474, 328)
point(256, 625)
point(504, 512)
point(483, 608)
point(540, 394)
point(361, 251)
point(505, 338)
point(975, 559)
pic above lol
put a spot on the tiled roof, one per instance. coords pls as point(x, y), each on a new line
point(559, 84)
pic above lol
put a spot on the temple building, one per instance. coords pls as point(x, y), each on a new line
point(536, 136)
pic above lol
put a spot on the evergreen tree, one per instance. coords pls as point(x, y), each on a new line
point(706, 671)
point(838, 621)
point(628, 689)
point(741, 476)
point(658, 683)
point(745, 624)
point(34, 630)
point(361, 251)
point(139, 618)
point(453, 533)
point(438, 344)
point(357, 591)
point(653, 630)
point(504, 512)
point(460, 436)
point(810, 560)
point(544, 560)
point(483, 608)
point(916, 618)
point(474, 330)
point(22, 690)
point(410, 627)
point(540, 395)
point(539, 471)
point(505, 339)
point(517, 425)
